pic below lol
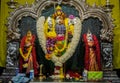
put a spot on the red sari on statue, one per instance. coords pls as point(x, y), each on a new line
point(92, 53)
point(28, 54)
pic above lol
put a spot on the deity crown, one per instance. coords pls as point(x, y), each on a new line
point(58, 8)
point(58, 12)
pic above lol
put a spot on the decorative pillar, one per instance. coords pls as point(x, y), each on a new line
point(108, 6)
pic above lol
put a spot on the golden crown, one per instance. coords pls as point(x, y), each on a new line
point(58, 12)
point(58, 8)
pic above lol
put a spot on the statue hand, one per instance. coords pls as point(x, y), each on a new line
point(25, 59)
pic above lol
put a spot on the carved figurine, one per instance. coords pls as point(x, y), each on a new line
point(56, 36)
point(28, 54)
point(56, 33)
point(92, 52)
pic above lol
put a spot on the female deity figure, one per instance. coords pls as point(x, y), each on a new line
point(58, 30)
point(92, 52)
point(58, 37)
point(58, 33)
point(28, 54)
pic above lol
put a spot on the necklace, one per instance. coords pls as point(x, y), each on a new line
point(25, 57)
point(65, 43)
point(66, 37)
point(50, 33)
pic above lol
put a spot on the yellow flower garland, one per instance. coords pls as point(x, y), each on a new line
point(60, 50)
point(52, 34)
point(70, 47)
point(66, 37)
point(25, 57)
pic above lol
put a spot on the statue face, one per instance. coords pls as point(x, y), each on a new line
point(59, 20)
point(29, 34)
point(50, 22)
point(89, 37)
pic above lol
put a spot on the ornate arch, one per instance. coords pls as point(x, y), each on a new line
point(85, 11)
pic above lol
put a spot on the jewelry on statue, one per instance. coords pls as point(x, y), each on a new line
point(25, 57)
point(65, 43)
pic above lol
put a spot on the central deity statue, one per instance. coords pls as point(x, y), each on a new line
point(58, 37)
point(58, 33)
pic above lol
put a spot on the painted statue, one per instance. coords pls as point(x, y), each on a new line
point(57, 32)
point(57, 38)
point(28, 54)
point(92, 58)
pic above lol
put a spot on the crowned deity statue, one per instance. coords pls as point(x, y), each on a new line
point(28, 60)
point(92, 58)
point(59, 32)
point(56, 33)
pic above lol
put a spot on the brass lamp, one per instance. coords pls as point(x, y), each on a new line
point(41, 76)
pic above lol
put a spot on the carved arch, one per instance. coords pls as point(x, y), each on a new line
point(85, 11)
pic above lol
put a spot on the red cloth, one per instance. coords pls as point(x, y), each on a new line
point(35, 65)
point(97, 51)
point(74, 74)
point(60, 38)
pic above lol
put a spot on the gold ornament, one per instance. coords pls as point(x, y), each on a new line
point(58, 8)
point(27, 55)
point(59, 12)
point(41, 76)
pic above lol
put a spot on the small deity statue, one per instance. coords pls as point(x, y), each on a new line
point(28, 54)
point(92, 52)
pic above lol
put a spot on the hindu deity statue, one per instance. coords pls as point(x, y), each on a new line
point(58, 33)
point(92, 52)
point(58, 37)
point(28, 54)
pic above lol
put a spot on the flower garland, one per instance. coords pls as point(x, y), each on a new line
point(64, 47)
point(69, 52)
point(66, 37)
point(25, 57)
point(51, 33)
point(74, 42)
point(41, 34)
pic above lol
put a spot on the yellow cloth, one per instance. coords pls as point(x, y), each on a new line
point(116, 53)
point(2, 45)
point(116, 41)
point(3, 28)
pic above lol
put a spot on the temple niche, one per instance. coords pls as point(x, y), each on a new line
point(61, 39)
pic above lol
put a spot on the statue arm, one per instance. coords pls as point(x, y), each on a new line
point(23, 56)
